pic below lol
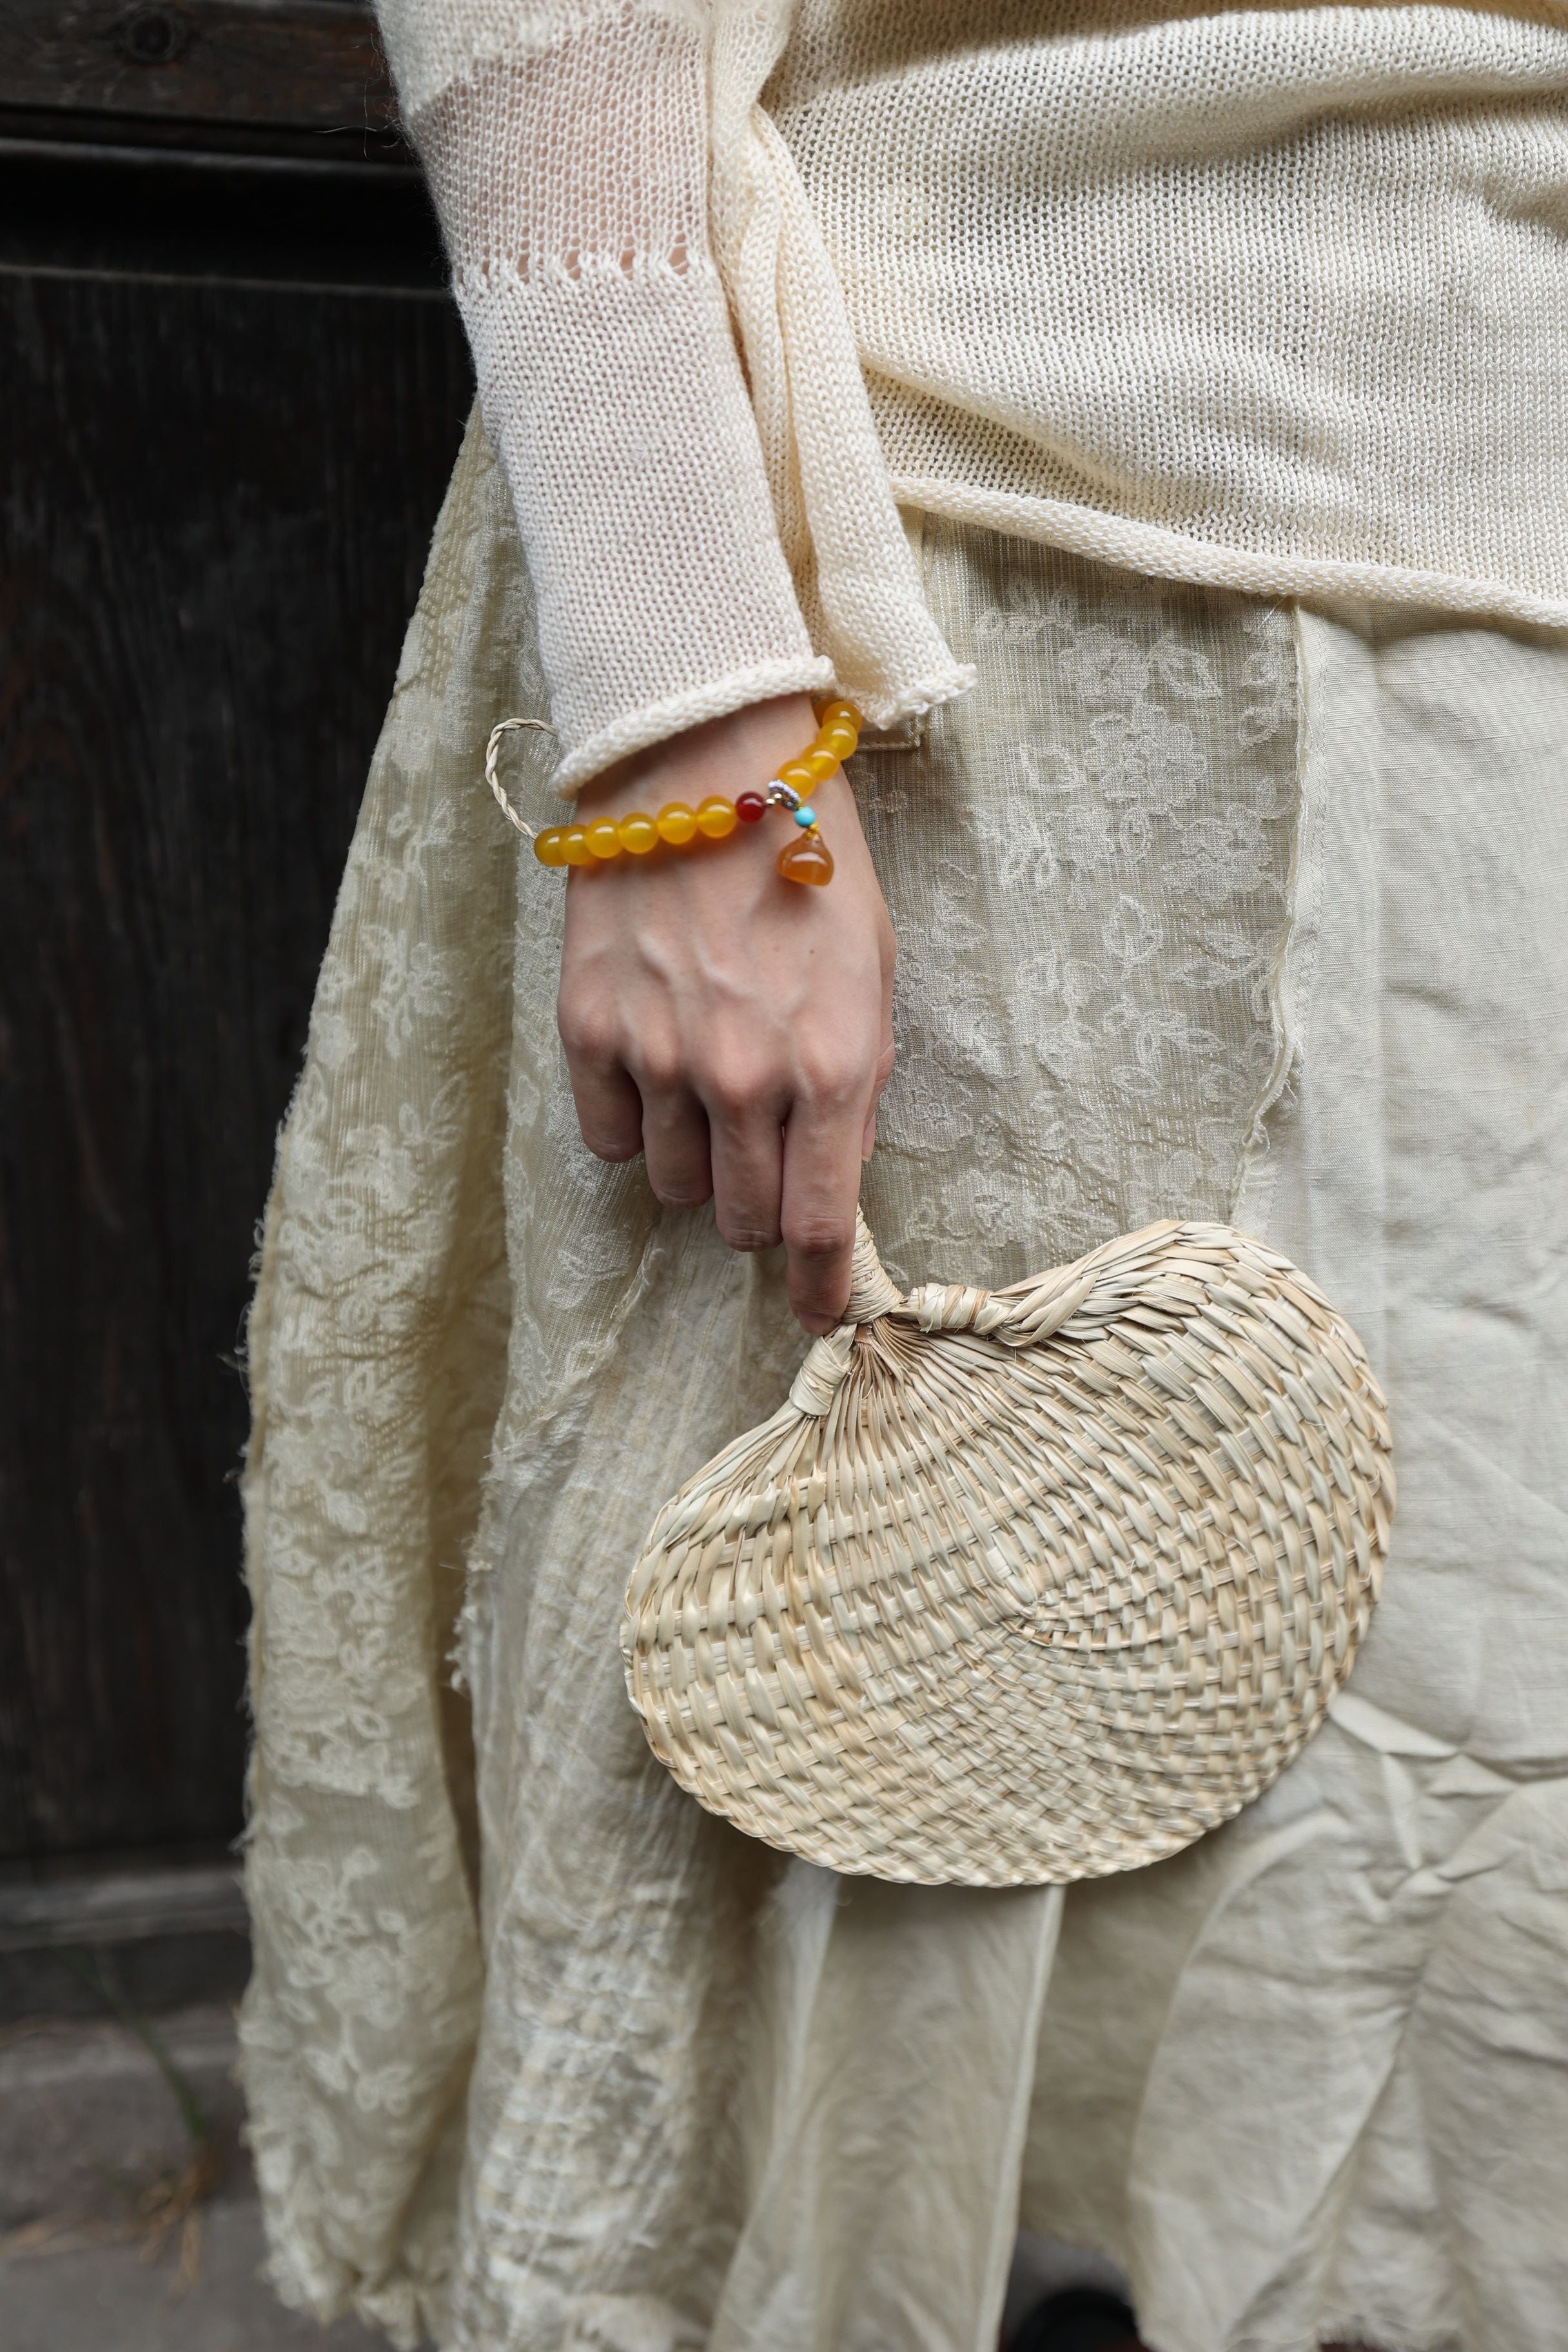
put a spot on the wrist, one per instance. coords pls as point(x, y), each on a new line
point(724, 756)
point(740, 751)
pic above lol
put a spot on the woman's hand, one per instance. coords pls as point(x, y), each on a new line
point(735, 1028)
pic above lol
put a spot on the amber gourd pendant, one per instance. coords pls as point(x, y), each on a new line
point(806, 859)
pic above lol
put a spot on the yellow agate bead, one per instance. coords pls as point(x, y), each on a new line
point(575, 846)
point(639, 833)
point(603, 839)
point(549, 846)
point(839, 714)
point(676, 822)
point(839, 740)
point(819, 765)
point(716, 817)
point(797, 776)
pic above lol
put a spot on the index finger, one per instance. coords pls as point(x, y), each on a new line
point(821, 1187)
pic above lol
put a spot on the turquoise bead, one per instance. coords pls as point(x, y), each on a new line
point(804, 815)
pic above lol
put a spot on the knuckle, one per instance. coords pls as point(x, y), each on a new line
point(606, 1143)
point(819, 1235)
point(735, 1093)
point(584, 1031)
point(833, 1081)
point(743, 1232)
point(659, 1068)
point(679, 1192)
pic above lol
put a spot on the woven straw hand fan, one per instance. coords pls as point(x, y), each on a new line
point(1030, 1584)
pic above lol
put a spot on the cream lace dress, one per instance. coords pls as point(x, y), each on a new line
point(1204, 906)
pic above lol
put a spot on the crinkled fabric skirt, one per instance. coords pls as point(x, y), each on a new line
point(1205, 906)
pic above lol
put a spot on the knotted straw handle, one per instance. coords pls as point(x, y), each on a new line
point(492, 753)
point(1029, 1312)
point(871, 1291)
point(1019, 1318)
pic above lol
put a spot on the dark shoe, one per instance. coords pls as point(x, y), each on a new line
point(1081, 2320)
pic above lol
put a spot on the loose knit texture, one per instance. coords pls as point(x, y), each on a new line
point(570, 153)
point(1269, 297)
point(1277, 298)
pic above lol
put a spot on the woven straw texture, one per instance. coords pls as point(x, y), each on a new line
point(1026, 1585)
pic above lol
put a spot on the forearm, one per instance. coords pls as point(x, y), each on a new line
point(566, 152)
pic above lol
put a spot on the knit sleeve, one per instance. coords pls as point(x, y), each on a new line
point(566, 147)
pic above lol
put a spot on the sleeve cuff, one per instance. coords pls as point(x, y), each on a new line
point(812, 674)
point(616, 402)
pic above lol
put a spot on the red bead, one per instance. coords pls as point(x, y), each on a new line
point(749, 807)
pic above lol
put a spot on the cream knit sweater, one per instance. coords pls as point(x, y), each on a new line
point(1270, 296)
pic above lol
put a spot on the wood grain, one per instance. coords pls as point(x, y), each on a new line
point(215, 503)
point(304, 64)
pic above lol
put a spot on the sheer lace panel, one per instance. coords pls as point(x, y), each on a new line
point(1087, 865)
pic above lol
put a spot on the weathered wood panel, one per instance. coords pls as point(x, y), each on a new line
point(149, 212)
point(312, 65)
point(215, 501)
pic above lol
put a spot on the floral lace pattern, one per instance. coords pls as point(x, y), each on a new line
point(562, 2115)
point(1088, 874)
point(377, 1348)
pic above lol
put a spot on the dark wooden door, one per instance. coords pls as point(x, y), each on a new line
point(234, 388)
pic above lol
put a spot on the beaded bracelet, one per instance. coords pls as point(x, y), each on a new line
point(804, 859)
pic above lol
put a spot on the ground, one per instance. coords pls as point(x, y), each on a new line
point(128, 2216)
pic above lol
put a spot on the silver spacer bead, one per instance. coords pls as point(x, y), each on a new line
point(782, 795)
